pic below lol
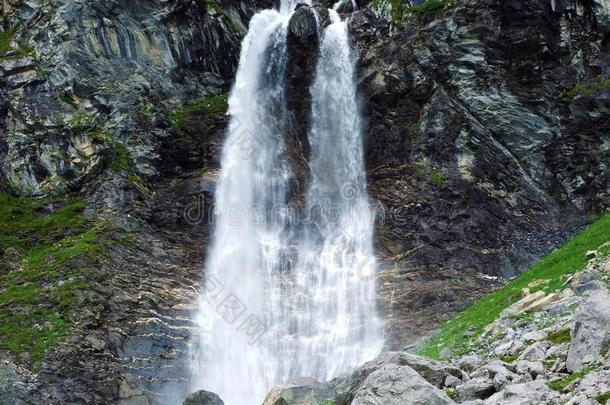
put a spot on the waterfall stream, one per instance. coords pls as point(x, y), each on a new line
point(288, 295)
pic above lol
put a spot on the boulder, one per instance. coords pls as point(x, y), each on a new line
point(535, 352)
point(590, 332)
point(477, 388)
point(300, 392)
point(534, 368)
point(203, 397)
point(393, 384)
point(535, 392)
point(434, 372)
point(303, 23)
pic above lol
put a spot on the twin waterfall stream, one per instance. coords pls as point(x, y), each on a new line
point(287, 295)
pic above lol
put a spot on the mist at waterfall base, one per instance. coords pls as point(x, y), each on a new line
point(284, 298)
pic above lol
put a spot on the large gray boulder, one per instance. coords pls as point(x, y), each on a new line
point(534, 392)
point(304, 391)
point(590, 332)
point(393, 384)
point(434, 372)
point(203, 398)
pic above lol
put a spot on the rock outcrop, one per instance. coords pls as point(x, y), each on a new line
point(487, 130)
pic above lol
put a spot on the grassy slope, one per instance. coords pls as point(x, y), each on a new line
point(42, 272)
point(568, 259)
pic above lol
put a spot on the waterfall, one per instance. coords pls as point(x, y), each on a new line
point(287, 296)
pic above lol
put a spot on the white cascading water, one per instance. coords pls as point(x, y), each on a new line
point(309, 283)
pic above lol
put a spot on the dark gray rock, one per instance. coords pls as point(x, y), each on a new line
point(203, 398)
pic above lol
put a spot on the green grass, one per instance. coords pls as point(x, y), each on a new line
point(566, 260)
point(561, 384)
point(213, 107)
point(451, 393)
point(122, 161)
point(23, 222)
point(414, 130)
point(588, 89)
point(603, 398)
point(44, 245)
point(562, 336)
point(422, 170)
point(8, 52)
point(6, 37)
point(509, 358)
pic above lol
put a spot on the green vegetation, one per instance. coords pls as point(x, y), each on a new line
point(392, 8)
point(213, 107)
point(599, 83)
point(328, 402)
point(563, 383)
point(414, 130)
point(562, 336)
point(425, 171)
point(509, 358)
point(603, 398)
point(568, 259)
point(431, 7)
point(451, 393)
point(7, 52)
point(6, 38)
point(121, 161)
point(91, 127)
point(46, 249)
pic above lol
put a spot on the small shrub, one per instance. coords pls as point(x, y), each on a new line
point(414, 130)
point(509, 358)
point(559, 337)
point(561, 384)
point(603, 398)
point(451, 393)
point(6, 38)
point(599, 83)
point(213, 107)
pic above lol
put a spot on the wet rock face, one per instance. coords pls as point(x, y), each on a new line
point(302, 48)
point(476, 140)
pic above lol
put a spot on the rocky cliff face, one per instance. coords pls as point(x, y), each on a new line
point(488, 143)
point(488, 138)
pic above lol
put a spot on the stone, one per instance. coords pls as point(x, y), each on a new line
point(534, 336)
point(535, 392)
point(535, 352)
point(590, 332)
point(435, 372)
point(594, 383)
point(303, 23)
point(303, 391)
point(393, 384)
point(591, 254)
point(469, 363)
point(476, 388)
point(509, 348)
point(452, 381)
point(203, 397)
point(530, 367)
point(345, 7)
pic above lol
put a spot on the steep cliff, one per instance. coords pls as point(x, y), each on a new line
point(488, 144)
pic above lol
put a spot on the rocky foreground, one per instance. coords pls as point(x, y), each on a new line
point(544, 349)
